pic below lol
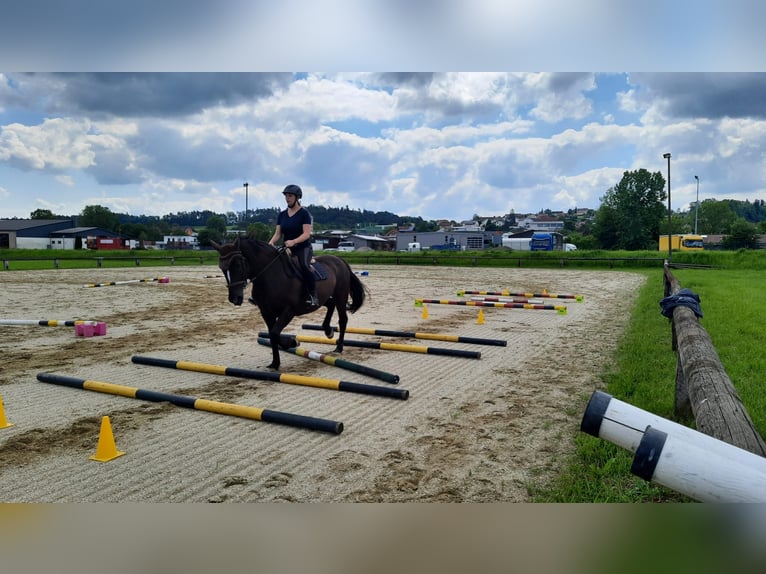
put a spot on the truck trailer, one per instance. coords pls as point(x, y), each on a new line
point(682, 242)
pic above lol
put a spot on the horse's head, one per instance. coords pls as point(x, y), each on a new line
point(235, 269)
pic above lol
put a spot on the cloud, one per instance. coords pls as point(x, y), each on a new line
point(143, 94)
point(706, 95)
point(56, 144)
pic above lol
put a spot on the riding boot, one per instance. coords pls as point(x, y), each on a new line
point(313, 300)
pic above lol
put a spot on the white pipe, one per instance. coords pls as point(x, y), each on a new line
point(693, 470)
point(624, 425)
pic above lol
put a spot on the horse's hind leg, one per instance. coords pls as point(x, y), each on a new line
point(328, 319)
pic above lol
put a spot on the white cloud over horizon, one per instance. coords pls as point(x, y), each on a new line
point(434, 145)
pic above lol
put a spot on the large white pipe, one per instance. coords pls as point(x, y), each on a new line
point(693, 470)
point(624, 425)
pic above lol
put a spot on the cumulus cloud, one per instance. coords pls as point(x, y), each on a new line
point(447, 143)
point(56, 144)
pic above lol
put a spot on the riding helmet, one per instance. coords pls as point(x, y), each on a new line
point(294, 189)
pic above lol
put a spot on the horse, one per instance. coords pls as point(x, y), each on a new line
point(279, 290)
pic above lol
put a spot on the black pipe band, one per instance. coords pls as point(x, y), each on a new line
point(594, 413)
point(648, 453)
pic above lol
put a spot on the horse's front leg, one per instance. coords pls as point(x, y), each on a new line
point(271, 321)
point(275, 334)
point(328, 319)
point(342, 322)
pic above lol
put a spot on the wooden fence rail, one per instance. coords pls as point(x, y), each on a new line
point(703, 389)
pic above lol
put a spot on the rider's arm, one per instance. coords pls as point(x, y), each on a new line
point(305, 236)
point(276, 236)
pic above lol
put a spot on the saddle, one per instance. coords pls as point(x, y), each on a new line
point(317, 269)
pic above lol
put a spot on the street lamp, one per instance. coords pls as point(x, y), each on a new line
point(246, 186)
point(697, 211)
point(670, 213)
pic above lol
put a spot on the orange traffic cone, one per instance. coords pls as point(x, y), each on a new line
point(425, 312)
point(106, 449)
point(3, 423)
point(480, 320)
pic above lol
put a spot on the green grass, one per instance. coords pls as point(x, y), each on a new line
point(643, 375)
point(34, 259)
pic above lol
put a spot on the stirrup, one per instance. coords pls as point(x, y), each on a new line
point(313, 300)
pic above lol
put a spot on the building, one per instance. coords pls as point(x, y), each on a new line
point(373, 242)
point(541, 223)
point(56, 234)
point(188, 241)
point(459, 240)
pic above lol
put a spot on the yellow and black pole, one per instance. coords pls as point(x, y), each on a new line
point(336, 362)
point(319, 382)
point(231, 409)
point(416, 335)
point(386, 346)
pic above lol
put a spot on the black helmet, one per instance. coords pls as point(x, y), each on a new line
point(294, 189)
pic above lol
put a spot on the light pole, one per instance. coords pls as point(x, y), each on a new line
point(697, 211)
point(670, 213)
point(246, 186)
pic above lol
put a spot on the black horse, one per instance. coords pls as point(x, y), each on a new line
point(280, 293)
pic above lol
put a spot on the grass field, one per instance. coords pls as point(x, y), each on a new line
point(643, 374)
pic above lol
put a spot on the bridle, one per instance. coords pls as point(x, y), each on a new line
point(226, 263)
point(229, 258)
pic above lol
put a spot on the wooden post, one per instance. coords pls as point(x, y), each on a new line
point(717, 408)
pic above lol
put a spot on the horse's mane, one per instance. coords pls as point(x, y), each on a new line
point(250, 246)
point(258, 243)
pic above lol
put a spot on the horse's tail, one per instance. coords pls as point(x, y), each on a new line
point(357, 290)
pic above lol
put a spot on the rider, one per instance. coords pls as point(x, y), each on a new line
point(295, 223)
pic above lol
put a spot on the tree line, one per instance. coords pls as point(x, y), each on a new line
point(631, 216)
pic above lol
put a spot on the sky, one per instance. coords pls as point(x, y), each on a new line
point(198, 120)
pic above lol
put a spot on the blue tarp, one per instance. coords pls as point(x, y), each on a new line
point(685, 297)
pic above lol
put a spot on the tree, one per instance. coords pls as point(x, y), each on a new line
point(42, 214)
point(715, 217)
point(678, 224)
point(582, 241)
point(260, 231)
point(631, 212)
point(744, 235)
point(98, 216)
point(217, 222)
